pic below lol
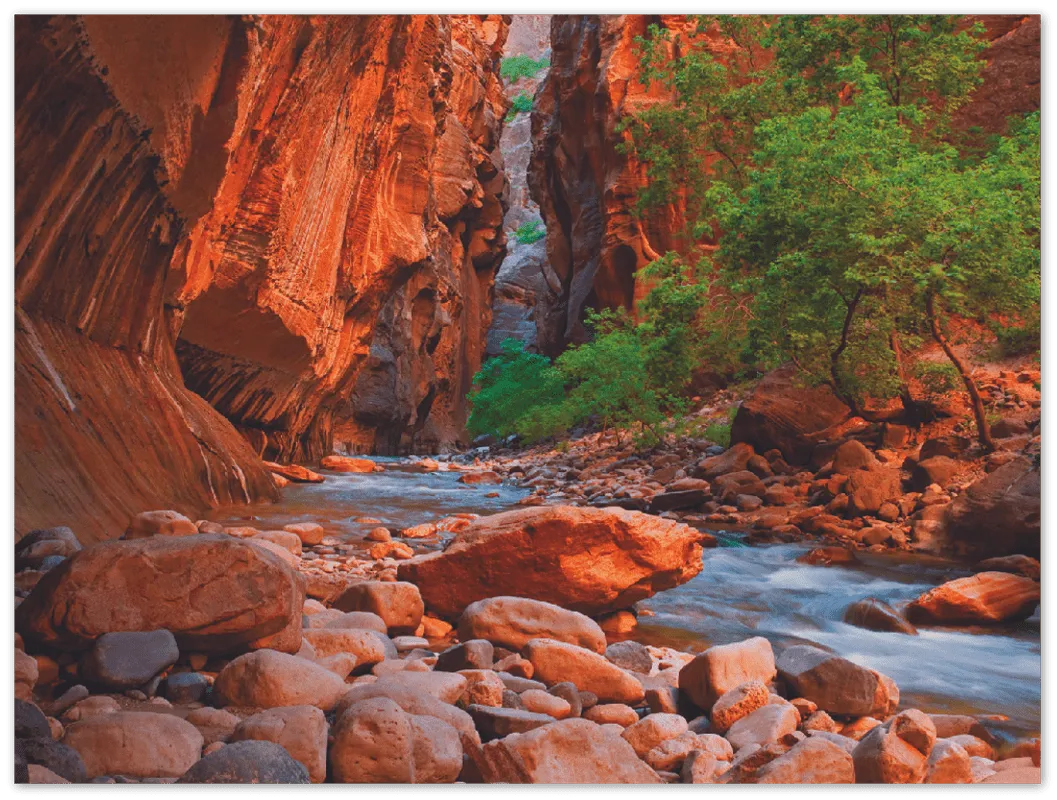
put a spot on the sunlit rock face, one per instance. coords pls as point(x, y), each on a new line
point(235, 206)
point(587, 189)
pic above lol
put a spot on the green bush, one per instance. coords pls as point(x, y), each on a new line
point(530, 232)
point(515, 68)
point(937, 377)
point(522, 104)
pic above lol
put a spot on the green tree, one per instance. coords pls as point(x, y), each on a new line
point(516, 392)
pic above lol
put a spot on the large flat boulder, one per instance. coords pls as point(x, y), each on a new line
point(999, 515)
point(984, 598)
point(590, 560)
point(513, 621)
point(570, 751)
point(215, 593)
point(786, 415)
point(136, 744)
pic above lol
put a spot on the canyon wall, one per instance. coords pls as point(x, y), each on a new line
point(587, 189)
point(235, 206)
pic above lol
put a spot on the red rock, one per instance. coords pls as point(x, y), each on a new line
point(824, 556)
point(213, 592)
point(876, 615)
point(1016, 565)
point(585, 559)
point(475, 478)
point(295, 473)
point(896, 752)
point(346, 464)
point(836, 684)
point(269, 679)
point(556, 662)
point(811, 761)
point(984, 598)
point(160, 523)
point(513, 621)
point(723, 667)
point(999, 515)
point(399, 604)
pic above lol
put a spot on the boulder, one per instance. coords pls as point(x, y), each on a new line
point(896, 752)
point(734, 459)
point(784, 414)
point(1015, 565)
point(512, 621)
point(876, 615)
point(738, 702)
point(185, 687)
point(128, 659)
point(136, 744)
point(270, 679)
point(836, 684)
point(541, 702)
point(555, 662)
point(30, 721)
point(612, 714)
point(631, 656)
point(999, 515)
point(369, 647)
point(483, 688)
point(984, 598)
point(652, 730)
point(160, 523)
point(482, 477)
point(310, 533)
point(413, 702)
point(938, 469)
point(471, 654)
point(359, 620)
point(723, 667)
point(247, 762)
point(215, 593)
point(376, 741)
point(496, 723)
point(853, 455)
point(27, 673)
point(337, 463)
point(59, 757)
point(215, 724)
point(812, 760)
point(569, 751)
point(767, 724)
point(734, 484)
point(398, 603)
point(591, 560)
point(869, 489)
point(287, 540)
point(301, 730)
point(294, 472)
point(948, 763)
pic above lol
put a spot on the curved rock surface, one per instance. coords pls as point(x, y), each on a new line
point(589, 560)
point(986, 597)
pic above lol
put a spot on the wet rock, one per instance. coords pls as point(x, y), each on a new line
point(513, 621)
point(478, 478)
point(836, 684)
point(811, 761)
point(214, 593)
point(631, 656)
point(763, 726)
point(301, 730)
point(269, 679)
point(136, 744)
point(948, 763)
point(129, 659)
point(723, 667)
point(589, 560)
point(896, 752)
point(984, 598)
point(555, 662)
point(61, 758)
point(338, 463)
point(738, 702)
point(1015, 565)
point(160, 523)
point(876, 615)
point(294, 472)
point(376, 741)
point(570, 751)
point(825, 556)
point(472, 654)
point(247, 762)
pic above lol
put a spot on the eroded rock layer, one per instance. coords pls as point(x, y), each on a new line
point(103, 424)
point(237, 205)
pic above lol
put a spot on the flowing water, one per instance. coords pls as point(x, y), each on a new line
point(742, 591)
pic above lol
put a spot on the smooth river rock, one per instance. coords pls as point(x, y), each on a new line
point(513, 621)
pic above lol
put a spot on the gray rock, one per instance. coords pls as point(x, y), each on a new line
point(33, 548)
point(496, 723)
point(250, 761)
point(30, 721)
point(126, 660)
point(631, 656)
point(474, 654)
point(59, 758)
point(185, 687)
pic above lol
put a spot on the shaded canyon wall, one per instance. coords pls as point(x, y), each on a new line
point(236, 204)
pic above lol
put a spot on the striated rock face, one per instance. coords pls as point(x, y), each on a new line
point(585, 187)
point(250, 208)
point(104, 427)
point(1012, 77)
point(357, 225)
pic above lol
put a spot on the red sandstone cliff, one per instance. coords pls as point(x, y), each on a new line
point(587, 189)
point(249, 194)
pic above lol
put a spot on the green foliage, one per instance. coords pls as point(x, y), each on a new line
point(522, 104)
point(530, 232)
point(516, 392)
point(514, 68)
point(937, 378)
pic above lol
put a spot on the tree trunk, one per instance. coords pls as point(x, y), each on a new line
point(983, 430)
point(912, 409)
point(834, 358)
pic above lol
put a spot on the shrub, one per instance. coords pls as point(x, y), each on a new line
point(516, 392)
point(530, 232)
point(515, 68)
point(937, 377)
point(522, 104)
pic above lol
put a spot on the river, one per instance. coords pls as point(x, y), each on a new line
point(742, 591)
